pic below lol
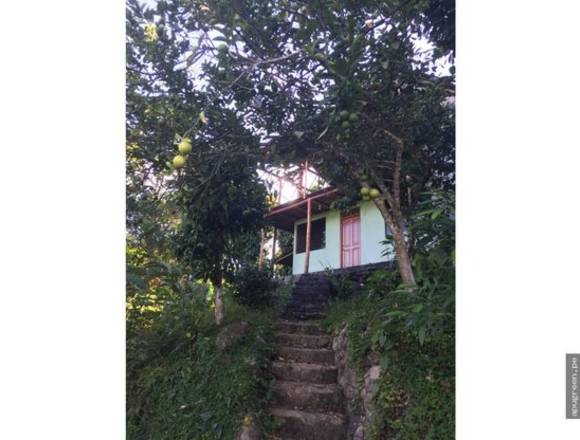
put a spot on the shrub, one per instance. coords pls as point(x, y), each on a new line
point(179, 384)
point(342, 286)
point(412, 332)
point(414, 336)
point(197, 391)
point(253, 287)
point(381, 281)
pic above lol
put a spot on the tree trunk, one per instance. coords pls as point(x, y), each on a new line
point(219, 303)
point(401, 250)
point(403, 259)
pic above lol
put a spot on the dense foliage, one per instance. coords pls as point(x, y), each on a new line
point(252, 286)
point(219, 224)
point(353, 87)
point(413, 333)
point(179, 384)
point(188, 150)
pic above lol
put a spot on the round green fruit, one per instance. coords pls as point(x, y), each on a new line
point(353, 117)
point(345, 125)
point(364, 191)
point(319, 56)
point(344, 114)
point(178, 161)
point(374, 193)
point(184, 146)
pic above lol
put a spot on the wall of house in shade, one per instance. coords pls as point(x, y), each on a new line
point(372, 234)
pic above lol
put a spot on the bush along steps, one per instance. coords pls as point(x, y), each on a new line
point(308, 402)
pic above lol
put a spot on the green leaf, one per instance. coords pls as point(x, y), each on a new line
point(436, 213)
point(339, 67)
point(384, 362)
point(418, 308)
point(382, 339)
point(136, 281)
point(206, 415)
point(422, 332)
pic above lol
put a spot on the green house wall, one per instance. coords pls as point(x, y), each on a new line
point(372, 234)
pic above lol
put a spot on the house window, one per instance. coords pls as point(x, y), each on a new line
point(317, 236)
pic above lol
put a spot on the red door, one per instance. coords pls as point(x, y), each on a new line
point(351, 241)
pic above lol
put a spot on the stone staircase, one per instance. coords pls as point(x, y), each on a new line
point(309, 297)
point(308, 402)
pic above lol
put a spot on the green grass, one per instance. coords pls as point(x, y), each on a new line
point(415, 396)
point(360, 313)
point(195, 390)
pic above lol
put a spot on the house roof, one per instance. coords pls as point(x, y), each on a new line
point(283, 216)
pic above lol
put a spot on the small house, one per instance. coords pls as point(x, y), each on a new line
point(326, 238)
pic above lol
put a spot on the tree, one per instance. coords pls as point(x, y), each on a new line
point(216, 201)
point(346, 86)
point(217, 226)
point(224, 201)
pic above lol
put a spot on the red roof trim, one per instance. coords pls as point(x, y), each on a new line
point(284, 216)
point(296, 203)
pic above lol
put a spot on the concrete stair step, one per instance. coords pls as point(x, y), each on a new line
point(306, 355)
point(305, 308)
point(309, 277)
point(303, 372)
point(311, 289)
point(305, 328)
point(307, 294)
point(306, 301)
point(306, 305)
point(306, 396)
point(313, 286)
point(304, 341)
point(305, 425)
point(303, 316)
point(309, 298)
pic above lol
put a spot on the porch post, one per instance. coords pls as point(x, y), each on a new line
point(305, 176)
point(261, 257)
point(274, 245)
point(275, 228)
point(308, 221)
